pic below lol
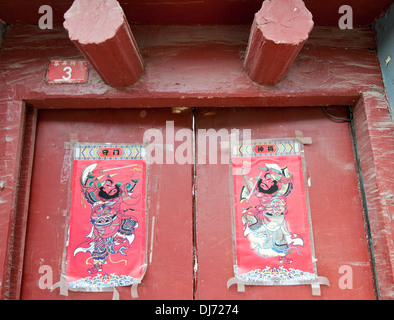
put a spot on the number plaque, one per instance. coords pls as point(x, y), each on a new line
point(67, 71)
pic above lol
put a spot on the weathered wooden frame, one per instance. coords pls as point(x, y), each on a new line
point(187, 66)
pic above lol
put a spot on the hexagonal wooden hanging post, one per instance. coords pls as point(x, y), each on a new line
point(279, 30)
point(101, 32)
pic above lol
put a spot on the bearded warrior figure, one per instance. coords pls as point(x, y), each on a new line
point(265, 210)
point(112, 219)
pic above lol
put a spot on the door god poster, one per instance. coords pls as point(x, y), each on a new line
point(271, 219)
point(107, 238)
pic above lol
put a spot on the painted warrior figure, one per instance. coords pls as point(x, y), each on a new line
point(112, 219)
point(264, 214)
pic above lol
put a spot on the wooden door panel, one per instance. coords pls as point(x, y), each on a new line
point(336, 211)
point(169, 201)
point(337, 216)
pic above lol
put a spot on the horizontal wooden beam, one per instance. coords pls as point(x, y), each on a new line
point(188, 66)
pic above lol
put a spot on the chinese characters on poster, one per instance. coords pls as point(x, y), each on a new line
point(271, 222)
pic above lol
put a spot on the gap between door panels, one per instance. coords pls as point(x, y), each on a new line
point(194, 178)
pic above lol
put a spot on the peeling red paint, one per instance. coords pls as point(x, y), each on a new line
point(202, 66)
point(101, 32)
point(279, 31)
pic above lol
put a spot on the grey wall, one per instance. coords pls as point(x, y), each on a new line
point(385, 32)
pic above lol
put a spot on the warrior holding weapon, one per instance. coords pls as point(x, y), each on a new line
point(264, 217)
point(111, 216)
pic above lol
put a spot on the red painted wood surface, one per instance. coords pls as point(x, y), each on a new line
point(374, 128)
point(19, 219)
point(279, 30)
point(197, 66)
point(101, 32)
point(169, 200)
point(336, 210)
point(197, 12)
point(200, 66)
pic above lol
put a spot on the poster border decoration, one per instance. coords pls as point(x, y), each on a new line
point(267, 276)
point(93, 151)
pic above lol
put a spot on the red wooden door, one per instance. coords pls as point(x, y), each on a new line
point(169, 199)
point(336, 209)
point(336, 212)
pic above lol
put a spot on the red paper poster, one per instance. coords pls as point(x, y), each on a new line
point(271, 221)
point(107, 238)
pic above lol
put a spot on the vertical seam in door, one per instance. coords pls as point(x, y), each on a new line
point(194, 214)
